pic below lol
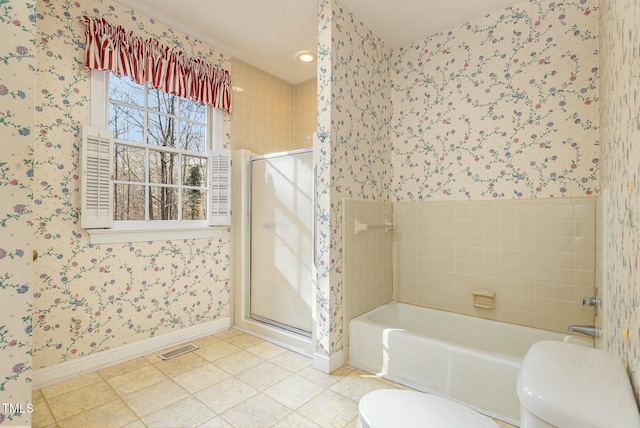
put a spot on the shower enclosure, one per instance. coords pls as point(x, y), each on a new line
point(274, 276)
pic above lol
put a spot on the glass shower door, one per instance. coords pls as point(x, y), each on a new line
point(281, 239)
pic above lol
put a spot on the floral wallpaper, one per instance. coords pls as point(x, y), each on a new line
point(89, 298)
point(354, 115)
point(326, 301)
point(620, 136)
point(17, 59)
point(505, 106)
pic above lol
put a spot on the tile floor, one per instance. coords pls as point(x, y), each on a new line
point(232, 380)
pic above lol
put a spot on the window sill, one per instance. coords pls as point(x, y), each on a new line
point(113, 236)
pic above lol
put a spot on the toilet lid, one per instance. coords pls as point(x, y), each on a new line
point(398, 408)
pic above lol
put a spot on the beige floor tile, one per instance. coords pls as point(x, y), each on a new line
point(291, 361)
point(343, 371)
point(37, 395)
point(245, 340)
point(217, 350)
point(188, 412)
point(329, 409)
point(264, 375)
point(226, 394)
point(294, 391)
point(154, 397)
point(122, 368)
point(195, 389)
point(217, 422)
point(323, 379)
point(181, 364)
point(238, 362)
point(201, 378)
point(112, 414)
point(294, 420)
point(71, 385)
point(135, 424)
point(266, 350)
point(41, 416)
point(80, 400)
point(206, 340)
point(357, 383)
point(257, 411)
point(137, 379)
point(228, 334)
point(353, 423)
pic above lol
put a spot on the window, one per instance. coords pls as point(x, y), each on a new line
point(166, 171)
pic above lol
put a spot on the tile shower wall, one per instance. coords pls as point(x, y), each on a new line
point(537, 255)
point(262, 120)
point(305, 112)
point(269, 114)
point(121, 293)
point(620, 136)
point(367, 265)
point(17, 93)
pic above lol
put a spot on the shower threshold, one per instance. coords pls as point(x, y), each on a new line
point(281, 326)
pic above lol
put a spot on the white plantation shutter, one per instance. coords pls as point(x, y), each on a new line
point(96, 169)
point(220, 186)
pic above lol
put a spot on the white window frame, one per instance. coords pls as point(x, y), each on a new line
point(163, 230)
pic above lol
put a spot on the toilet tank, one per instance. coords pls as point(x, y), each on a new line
point(568, 386)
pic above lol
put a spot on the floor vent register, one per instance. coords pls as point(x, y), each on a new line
point(178, 351)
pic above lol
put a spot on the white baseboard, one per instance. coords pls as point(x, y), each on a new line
point(329, 364)
point(51, 375)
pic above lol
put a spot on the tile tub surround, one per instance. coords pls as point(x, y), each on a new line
point(368, 265)
point(232, 380)
point(537, 255)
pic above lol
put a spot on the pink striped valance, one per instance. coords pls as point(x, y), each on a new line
point(117, 50)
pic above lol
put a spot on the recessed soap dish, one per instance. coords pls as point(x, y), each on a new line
point(484, 299)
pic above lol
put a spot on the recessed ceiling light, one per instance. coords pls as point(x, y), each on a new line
point(305, 56)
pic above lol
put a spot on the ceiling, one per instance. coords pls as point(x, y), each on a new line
point(268, 33)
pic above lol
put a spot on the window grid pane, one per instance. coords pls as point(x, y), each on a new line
point(130, 164)
point(164, 177)
point(129, 202)
point(164, 203)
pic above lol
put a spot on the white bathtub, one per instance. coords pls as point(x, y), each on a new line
point(470, 360)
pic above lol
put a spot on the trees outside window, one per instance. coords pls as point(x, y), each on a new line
point(162, 143)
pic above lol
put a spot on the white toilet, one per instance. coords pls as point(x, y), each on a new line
point(393, 408)
point(561, 385)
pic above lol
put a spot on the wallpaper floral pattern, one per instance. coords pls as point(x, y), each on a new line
point(620, 135)
point(354, 116)
point(17, 59)
point(325, 307)
point(505, 106)
point(88, 298)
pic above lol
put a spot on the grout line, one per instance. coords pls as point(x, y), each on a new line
point(346, 371)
